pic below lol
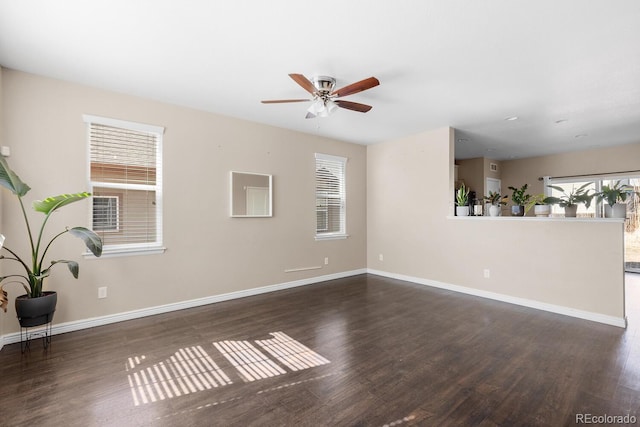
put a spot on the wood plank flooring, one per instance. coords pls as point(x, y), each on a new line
point(399, 354)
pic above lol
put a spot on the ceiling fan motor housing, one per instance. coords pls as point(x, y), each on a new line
point(324, 84)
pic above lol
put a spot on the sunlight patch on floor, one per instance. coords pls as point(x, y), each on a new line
point(188, 370)
point(250, 362)
point(291, 353)
point(191, 369)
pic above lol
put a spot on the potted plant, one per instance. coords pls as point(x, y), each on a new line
point(496, 200)
point(520, 199)
point(36, 307)
point(540, 205)
point(615, 196)
point(569, 201)
point(462, 201)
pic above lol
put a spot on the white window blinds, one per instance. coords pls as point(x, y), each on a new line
point(126, 168)
point(330, 196)
point(105, 213)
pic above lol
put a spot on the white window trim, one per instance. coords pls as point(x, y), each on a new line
point(121, 250)
point(331, 236)
point(140, 248)
point(343, 234)
point(141, 127)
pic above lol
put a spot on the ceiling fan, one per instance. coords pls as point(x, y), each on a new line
point(325, 99)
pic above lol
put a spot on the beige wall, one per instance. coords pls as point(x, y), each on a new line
point(488, 173)
point(471, 172)
point(474, 173)
point(550, 262)
point(208, 253)
point(604, 160)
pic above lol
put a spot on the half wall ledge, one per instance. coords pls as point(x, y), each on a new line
point(532, 218)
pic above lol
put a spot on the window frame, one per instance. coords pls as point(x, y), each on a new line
point(146, 248)
point(576, 181)
point(342, 196)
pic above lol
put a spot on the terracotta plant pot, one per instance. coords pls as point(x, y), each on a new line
point(36, 311)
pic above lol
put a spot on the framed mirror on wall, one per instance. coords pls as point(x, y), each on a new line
point(251, 195)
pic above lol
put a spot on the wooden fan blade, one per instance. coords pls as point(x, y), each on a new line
point(355, 106)
point(357, 87)
point(280, 101)
point(304, 82)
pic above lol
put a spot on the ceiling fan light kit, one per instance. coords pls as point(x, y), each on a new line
point(325, 100)
point(321, 108)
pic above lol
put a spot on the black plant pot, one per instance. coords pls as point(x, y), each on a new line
point(36, 311)
point(517, 210)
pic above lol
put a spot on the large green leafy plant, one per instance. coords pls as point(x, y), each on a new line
point(35, 271)
point(519, 195)
point(575, 196)
point(615, 193)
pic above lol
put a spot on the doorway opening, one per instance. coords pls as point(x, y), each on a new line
point(632, 229)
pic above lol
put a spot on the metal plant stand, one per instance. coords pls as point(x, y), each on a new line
point(45, 333)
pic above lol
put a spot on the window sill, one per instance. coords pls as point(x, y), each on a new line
point(118, 252)
point(331, 236)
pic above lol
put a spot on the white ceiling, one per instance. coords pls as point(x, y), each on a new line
point(468, 64)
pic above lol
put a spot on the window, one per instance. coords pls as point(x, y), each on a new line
point(105, 213)
point(570, 185)
point(330, 196)
point(596, 184)
point(125, 174)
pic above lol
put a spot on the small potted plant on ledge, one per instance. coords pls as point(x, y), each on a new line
point(496, 201)
point(520, 199)
point(569, 201)
point(540, 205)
point(462, 201)
point(36, 307)
point(616, 196)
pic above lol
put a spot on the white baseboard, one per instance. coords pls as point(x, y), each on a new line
point(136, 314)
point(150, 311)
point(558, 309)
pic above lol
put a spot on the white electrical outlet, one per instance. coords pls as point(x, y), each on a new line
point(487, 273)
point(380, 257)
point(102, 292)
point(326, 260)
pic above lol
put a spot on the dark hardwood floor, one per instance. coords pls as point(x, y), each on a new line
point(398, 354)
